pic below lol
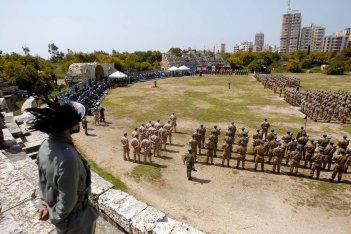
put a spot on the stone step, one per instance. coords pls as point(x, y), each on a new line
point(33, 155)
point(33, 146)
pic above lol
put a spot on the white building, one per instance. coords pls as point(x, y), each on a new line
point(290, 31)
point(259, 42)
point(220, 48)
point(338, 41)
point(243, 46)
point(312, 37)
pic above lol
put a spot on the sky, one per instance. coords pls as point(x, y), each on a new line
point(131, 25)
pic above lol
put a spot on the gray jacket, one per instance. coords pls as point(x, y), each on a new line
point(63, 185)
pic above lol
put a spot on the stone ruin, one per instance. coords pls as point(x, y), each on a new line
point(80, 72)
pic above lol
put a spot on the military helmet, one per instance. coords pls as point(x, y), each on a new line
point(258, 130)
point(299, 147)
point(215, 126)
point(324, 135)
point(345, 136)
point(343, 151)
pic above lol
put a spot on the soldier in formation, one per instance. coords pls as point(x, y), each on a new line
point(189, 161)
point(125, 145)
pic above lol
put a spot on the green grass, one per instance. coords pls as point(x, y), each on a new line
point(148, 172)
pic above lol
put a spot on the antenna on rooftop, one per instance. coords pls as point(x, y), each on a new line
point(289, 5)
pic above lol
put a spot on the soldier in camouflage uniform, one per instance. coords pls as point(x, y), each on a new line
point(210, 146)
point(278, 154)
point(227, 149)
point(265, 127)
point(125, 145)
point(193, 144)
point(189, 161)
point(295, 157)
point(135, 143)
point(203, 135)
point(328, 155)
point(261, 151)
point(310, 148)
point(242, 151)
point(340, 160)
point(317, 160)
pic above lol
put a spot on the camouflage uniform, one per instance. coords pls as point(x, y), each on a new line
point(135, 143)
point(125, 145)
point(340, 161)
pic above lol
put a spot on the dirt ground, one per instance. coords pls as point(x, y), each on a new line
point(221, 199)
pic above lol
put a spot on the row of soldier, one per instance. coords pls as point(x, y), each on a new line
point(278, 83)
point(322, 105)
point(318, 105)
point(149, 139)
point(317, 155)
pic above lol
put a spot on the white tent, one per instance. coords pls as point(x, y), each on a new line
point(184, 68)
point(174, 68)
point(118, 75)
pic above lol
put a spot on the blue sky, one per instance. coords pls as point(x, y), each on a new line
point(129, 25)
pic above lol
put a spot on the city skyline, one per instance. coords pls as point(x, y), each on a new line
point(155, 25)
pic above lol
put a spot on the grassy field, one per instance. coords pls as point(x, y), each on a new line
point(208, 100)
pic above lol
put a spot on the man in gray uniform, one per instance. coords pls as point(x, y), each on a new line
point(64, 175)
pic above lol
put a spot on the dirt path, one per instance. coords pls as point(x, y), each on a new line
point(225, 200)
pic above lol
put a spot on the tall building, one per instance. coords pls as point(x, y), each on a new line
point(243, 46)
point(312, 37)
point(259, 42)
point(290, 31)
point(338, 41)
point(220, 48)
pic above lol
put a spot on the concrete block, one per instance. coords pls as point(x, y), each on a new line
point(182, 228)
point(146, 220)
point(14, 189)
point(165, 227)
point(110, 200)
point(32, 146)
point(23, 219)
point(99, 185)
point(14, 129)
point(9, 117)
point(29, 170)
point(128, 209)
point(120, 207)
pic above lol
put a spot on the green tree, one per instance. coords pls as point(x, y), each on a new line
point(294, 66)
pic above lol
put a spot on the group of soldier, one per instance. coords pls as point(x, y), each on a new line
point(278, 83)
point(267, 148)
point(149, 139)
point(322, 105)
point(318, 105)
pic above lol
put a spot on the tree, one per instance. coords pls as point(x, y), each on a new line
point(336, 68)
point(294, 66)
point(259, 65)
point(56, 55)
point(25, 49)
point(176, 51)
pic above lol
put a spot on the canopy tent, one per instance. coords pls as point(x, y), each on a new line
point(174, 68)
point(183, 68)
point(118, 75)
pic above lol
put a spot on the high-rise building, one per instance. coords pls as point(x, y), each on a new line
point(243, 46)
point(259, 42)
point(312, 37)
point(338, 41)
point(220, 48)
point(290, 31)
